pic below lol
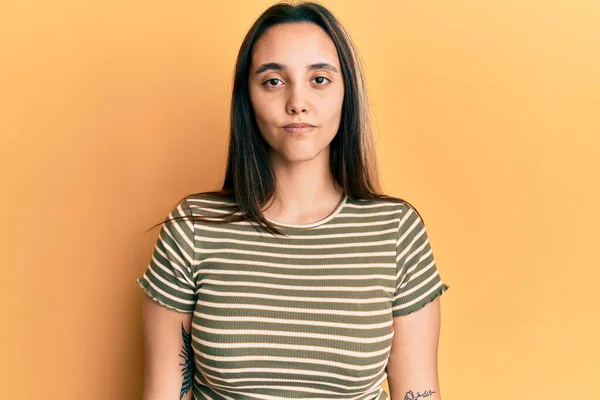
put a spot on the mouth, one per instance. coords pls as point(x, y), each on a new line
point(305, 128)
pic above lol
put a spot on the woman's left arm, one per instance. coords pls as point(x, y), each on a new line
point(412, 366)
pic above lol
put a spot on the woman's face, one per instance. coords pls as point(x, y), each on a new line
point(295, 77)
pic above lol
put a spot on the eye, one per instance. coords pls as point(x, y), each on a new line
point(322, 77)
point(269, 80)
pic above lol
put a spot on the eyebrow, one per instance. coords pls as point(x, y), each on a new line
point(282, 67)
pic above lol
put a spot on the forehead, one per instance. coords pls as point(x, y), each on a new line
point(294, 43)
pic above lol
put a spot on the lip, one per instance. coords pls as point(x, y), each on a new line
point(302, 127)
point(298, 125)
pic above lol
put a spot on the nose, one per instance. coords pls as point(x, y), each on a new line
point(297, 102)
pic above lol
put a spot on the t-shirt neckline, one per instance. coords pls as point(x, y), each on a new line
point(328, 218)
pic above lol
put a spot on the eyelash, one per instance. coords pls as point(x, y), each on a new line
point(272, 79)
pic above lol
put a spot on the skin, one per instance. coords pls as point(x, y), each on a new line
point(169, 365)
point(306, 190)
point(412, 367)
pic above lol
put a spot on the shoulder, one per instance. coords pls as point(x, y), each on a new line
point(381, 211)
point(209, 204)
point(404, 207)
point(394, 209)
point(383, 202)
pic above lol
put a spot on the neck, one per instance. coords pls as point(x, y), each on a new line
point(306, 191)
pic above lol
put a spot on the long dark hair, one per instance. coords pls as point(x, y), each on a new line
point(249, 179)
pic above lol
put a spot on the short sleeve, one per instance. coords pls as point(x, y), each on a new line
point(417, 279)
point(168, 278)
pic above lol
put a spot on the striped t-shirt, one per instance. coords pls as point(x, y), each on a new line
point(306, 316)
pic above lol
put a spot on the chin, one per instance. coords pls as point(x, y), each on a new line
point(302, 156)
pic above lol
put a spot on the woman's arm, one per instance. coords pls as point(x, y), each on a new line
point(412, 366)
point(169, 365)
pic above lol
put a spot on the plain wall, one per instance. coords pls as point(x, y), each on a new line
point(486, 118)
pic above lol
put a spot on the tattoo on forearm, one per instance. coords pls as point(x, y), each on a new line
point(188, 363)
point(411, 396)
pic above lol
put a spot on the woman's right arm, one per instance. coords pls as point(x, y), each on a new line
point(169, 359)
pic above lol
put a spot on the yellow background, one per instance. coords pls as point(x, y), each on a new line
point(486, 116)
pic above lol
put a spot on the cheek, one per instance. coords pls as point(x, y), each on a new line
point(333, 102)
point(264, 109)
point(332, 109)
point(257, 101)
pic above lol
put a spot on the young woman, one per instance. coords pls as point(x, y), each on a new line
point(298, 279)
